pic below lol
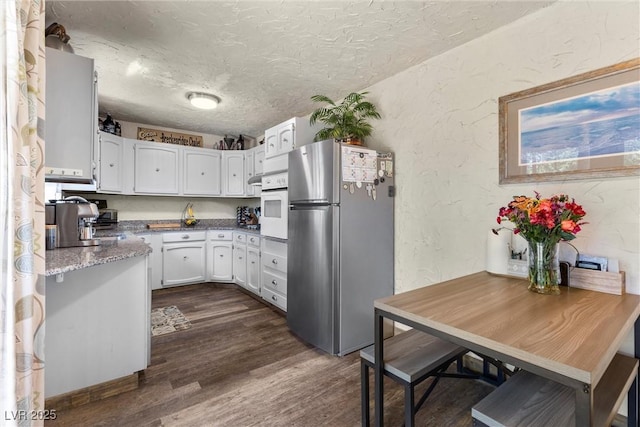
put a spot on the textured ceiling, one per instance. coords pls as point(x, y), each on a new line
point(264, 59)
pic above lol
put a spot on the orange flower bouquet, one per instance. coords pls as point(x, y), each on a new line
point(544, 223)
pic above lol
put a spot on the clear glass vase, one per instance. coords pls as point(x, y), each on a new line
point(544, 267)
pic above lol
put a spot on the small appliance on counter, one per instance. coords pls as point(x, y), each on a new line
point(74, 218)
point(248, 217)
point(107, 219)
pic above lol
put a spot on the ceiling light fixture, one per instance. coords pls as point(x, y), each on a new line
point(205, 101)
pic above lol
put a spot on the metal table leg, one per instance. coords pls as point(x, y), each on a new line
point(633, 397)
point(379, 377)
point(584, 406)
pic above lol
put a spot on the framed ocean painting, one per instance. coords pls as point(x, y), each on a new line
point(585, 126)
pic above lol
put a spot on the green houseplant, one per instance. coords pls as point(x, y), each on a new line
point(347, 121)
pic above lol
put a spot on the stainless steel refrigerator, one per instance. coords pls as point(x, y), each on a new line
point(340, 245)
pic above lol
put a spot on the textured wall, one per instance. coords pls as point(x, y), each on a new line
point(161, 207)
point(441, 120)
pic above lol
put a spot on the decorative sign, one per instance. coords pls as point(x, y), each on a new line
point(157, 135)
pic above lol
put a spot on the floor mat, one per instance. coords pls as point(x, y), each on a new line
point(168, 319)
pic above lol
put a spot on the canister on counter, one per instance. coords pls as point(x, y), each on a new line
point(51, 236)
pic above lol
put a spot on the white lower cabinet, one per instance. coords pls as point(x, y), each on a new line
point(180, 258)
point(155, 258)
point(274, 273)
point(183, 258)
point(240, 259)
point(219, 256)
point(253, 264)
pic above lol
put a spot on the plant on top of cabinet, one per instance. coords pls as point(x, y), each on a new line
point(347, 121)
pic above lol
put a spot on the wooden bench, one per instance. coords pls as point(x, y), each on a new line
point(530, 400)
point(410, 358)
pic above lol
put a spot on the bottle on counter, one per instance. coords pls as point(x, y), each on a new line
point(51, 236)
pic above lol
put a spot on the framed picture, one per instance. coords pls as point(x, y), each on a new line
point(586, 126)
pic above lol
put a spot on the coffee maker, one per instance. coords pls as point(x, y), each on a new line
point(75, 218)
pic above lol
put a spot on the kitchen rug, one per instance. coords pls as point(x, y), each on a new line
point(168, 319)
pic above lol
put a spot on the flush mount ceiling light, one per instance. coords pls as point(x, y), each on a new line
point(205, 101)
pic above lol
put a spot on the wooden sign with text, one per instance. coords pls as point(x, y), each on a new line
point(157, 135)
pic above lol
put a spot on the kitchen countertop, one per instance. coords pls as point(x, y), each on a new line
point(122, 243)
point(138, 227)
point(63, 260)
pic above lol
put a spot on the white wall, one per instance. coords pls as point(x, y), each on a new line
point(441, 120)
point(165, 207)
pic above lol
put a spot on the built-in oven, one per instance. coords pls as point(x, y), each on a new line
point(274, 205)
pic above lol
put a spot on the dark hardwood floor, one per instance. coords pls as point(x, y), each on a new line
point(239, 365)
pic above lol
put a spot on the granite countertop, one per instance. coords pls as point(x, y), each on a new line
point(139, 227)
point(122, 243)
point(63, 260)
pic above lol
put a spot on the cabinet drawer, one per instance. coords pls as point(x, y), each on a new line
point(220, 235)
point(275, 262)
point(239, 237)
point(274, 282)
point(185, 236)
point(275, 299)
point(274, 247)
point(253, 240)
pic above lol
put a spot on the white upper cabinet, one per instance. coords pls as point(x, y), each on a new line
point(71, 117)
point(202, 172)
point(234, 173)
point(111, 164)
point(286, 136)
point(271, 141)
point(156, 169)
point(258, 160)
point(130, 166)
point(249, 169)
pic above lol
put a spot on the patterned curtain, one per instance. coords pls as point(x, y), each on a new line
point(22, 255)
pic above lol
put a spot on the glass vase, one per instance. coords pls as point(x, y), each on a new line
point(544, 268)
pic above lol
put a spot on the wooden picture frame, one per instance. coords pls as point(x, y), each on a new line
point(581, 127)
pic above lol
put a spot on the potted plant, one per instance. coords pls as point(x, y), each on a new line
point(347, 121)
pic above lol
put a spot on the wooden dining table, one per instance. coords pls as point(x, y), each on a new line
point(569, 338)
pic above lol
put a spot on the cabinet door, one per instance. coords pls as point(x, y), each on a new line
point(72, 116)
point(249, 172)
point(240, 264)
point(286, 138)
point(253, 269)
point(156, 169)
point(183, 263)
point(219, 261)
point(111, 164)
point(258, 160)
point(202, 172)
point(234, 174)
point(128, 165)
point(271, 142)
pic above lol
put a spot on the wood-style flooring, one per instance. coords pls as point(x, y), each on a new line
point(239, 365)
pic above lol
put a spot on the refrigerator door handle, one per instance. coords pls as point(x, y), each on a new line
point(300, 206)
